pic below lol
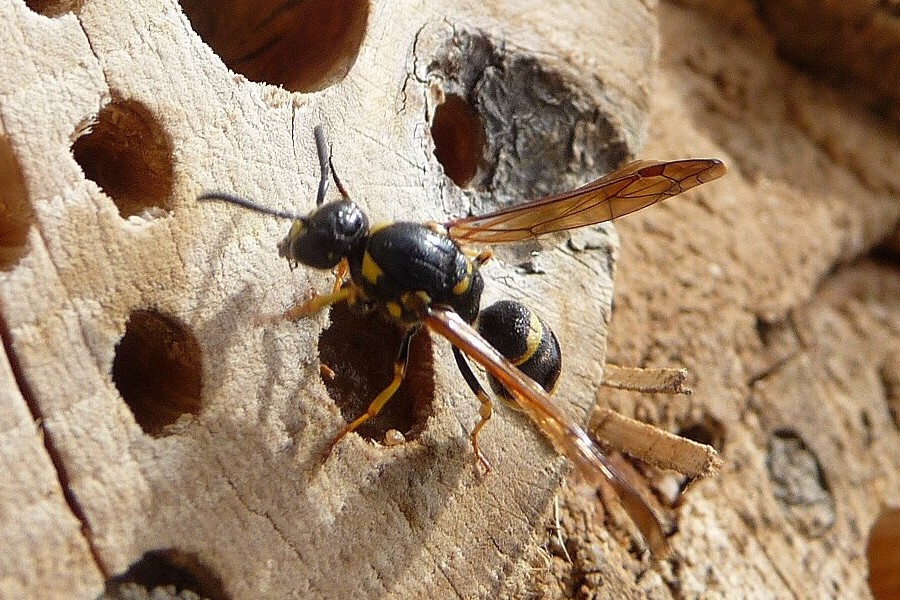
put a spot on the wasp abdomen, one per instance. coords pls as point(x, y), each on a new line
point(522, 337)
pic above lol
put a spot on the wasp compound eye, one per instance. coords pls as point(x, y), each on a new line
point(522, 337)
point(327, 235)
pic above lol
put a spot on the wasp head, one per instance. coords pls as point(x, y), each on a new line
point(323, 237)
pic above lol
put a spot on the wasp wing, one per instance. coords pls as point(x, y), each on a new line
point(563, 431)
point(632, 187)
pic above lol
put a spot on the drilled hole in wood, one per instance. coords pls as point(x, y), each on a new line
point(458, 139)
point(883, 554)
point(360, 349)
point(301, 46)
point(799, 484)
point(172, 568)
point(16, 214)
point(157, 370)
point(709, 431)
point(54, 8)
point(129, 156)
point(543, 132)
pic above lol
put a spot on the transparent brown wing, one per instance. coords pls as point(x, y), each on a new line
point(633, 187)
point(567, 436)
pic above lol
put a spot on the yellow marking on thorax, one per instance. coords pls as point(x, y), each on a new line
point(394, 309)
point(463, 285)
point(370, 269)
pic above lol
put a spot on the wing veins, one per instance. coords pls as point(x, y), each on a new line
point(635, 186)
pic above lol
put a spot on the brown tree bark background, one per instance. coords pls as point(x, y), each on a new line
point(779, 293)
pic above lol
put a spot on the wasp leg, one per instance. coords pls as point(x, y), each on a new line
point(317, 303)
point(478, 256)
point(487, 406)
point(340, 273)
point(385, 395)
point(483, 256)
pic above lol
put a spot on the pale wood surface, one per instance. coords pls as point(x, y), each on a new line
point(239, 486)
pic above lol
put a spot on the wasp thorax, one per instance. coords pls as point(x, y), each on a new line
point(325, 236)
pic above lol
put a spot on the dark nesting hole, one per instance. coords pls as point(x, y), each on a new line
point(542, 133)
point(168, 568)
point(126, 152)
point(765, 330)
point(799, 484)
point(360, 349)
point(157, 369)
point(883, 554)
point(458, 139)
point(54, 8)
point(301, 46)
point(16, 214)
point(709, 431)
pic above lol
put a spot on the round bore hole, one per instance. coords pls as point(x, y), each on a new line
point(16, 214)
point(54, 8)
point(157, 369)
point(458, 139)
point(799, 484)
point(172, 568)
point(360, 350)
point(709, 431)
point(301, 46)
point(126, 152)
point(514, 127)
point(883, 554)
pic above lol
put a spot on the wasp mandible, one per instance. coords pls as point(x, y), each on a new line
point(425, 274)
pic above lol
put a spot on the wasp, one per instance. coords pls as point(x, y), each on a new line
point(427, 275)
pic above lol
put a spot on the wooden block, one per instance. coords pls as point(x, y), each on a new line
point(177, 426)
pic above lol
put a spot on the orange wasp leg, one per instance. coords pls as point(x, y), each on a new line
point(487, 406)
point(382, 398)
point(318, 302)
point(340, 273)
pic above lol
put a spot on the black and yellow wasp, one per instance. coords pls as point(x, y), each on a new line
point(420, 274)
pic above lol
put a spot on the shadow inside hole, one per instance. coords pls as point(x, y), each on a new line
point(163, 568)
point(129, 156)
point(16, 214)
point(301, 46)
point(157, 370)
point(709, 431)
point(544, 132)
point(799, 484)
point(54, 8)
point(883, 554)
point(459, 139)
point(360, 348)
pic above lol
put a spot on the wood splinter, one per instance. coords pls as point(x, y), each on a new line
point(650, 444)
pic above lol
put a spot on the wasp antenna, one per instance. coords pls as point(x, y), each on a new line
point(340, 186)
point(250, 204)
point(324, 152)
